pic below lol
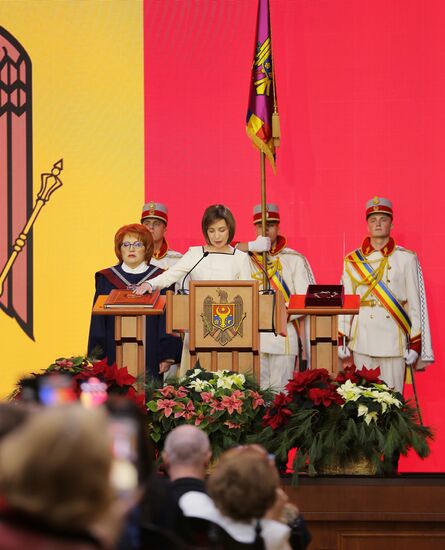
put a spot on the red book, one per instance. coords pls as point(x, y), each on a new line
point(126, 298)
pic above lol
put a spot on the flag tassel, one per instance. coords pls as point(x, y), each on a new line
point(276, 133)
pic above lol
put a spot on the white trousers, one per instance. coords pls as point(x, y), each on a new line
point(392, 369)
point(276, 370)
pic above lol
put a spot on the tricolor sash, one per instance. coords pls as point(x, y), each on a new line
point(372, 278)
point(276, 280)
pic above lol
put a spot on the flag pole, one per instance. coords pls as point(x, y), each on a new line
point(263, 213)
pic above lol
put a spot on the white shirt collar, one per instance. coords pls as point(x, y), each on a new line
point(141, 268)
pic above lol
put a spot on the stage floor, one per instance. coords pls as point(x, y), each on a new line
point(364, 512)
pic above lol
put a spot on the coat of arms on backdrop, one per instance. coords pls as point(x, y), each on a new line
point(223, 320)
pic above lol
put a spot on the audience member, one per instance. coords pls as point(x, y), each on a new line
point(186, 457)
point(54, 477)
point(12, 415)
point(239, 503)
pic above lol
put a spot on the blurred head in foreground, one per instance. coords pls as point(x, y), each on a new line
point(57, 467)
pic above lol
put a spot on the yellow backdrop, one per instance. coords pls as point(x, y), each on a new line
point(87, 60)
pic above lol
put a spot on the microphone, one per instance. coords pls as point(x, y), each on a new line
point(183, 290)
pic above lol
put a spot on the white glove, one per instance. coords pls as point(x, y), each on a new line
point(410, 356)
point(260, 244)
point(343, 352)
point(143, 288)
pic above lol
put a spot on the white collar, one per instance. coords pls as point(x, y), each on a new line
point(141, 268)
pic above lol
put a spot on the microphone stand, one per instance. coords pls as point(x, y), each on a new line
point(183, 290)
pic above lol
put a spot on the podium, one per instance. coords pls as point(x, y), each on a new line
point(224, 319)
point(324, 328)
point(129, 334)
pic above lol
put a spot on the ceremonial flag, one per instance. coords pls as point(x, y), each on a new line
point(260, 126)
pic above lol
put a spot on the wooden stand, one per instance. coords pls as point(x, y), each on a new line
point(235, 346)
point(324, 328)
point(365, 513)
point(129, 334)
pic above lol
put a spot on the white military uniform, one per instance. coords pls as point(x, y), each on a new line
point(374, 336)
point(279, 353)
point(165, 257)
point(213, 266)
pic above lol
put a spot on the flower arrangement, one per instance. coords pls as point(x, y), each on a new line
point(118, 380)
point(348, 419)
point(226, 405)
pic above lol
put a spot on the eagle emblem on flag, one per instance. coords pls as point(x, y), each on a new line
point(223, 320)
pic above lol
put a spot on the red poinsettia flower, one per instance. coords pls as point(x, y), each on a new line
point(206, 396)
point(167, 391)
point(216, 405)
point(281, 399)
point(232, 425)
point(66, 363)
point(181, 392)
point(370, 375)
point(257, 400)
point(302, 380)
point(124, 378)
point(166, 405)
point(97, 370)
point(137, 398)
point(232, 403)
point(349, 373)
point(276, 417)
point(326, 396)
point(187, 411)
point(199, 418)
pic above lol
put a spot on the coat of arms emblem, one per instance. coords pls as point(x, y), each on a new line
point(223, 320)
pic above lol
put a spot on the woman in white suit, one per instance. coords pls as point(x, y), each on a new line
point(217, 260)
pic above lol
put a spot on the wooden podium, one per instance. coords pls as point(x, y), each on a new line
point(129, 334)
point(324, 328)
point(224, 319)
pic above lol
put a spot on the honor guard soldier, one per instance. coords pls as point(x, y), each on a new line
point(392, 328)
point(288, 272)
point(155, 218)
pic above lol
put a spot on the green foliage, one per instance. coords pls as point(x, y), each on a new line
point(336, 421)
point(228, 406)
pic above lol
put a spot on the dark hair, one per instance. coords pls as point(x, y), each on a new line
point(214, 213)
point(140, 232)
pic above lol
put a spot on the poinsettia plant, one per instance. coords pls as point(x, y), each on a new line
point(345, 419)
point(117, 379)
point(226, 405)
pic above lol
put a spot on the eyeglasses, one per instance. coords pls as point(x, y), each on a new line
point(136, 244)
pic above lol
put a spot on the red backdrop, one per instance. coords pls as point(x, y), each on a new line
point(361, 92)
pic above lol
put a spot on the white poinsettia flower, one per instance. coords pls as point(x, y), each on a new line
point(195, 373)
point(238, 379)
point(225, 382)
point(349, 391)
point(385, 397)
point(200, 385)
point(362, 410)
point(221, 373)
point(371, 416)
point(382, 387)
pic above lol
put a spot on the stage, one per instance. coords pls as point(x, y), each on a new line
point(365, 513)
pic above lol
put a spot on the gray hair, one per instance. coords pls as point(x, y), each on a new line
point(187, 445)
